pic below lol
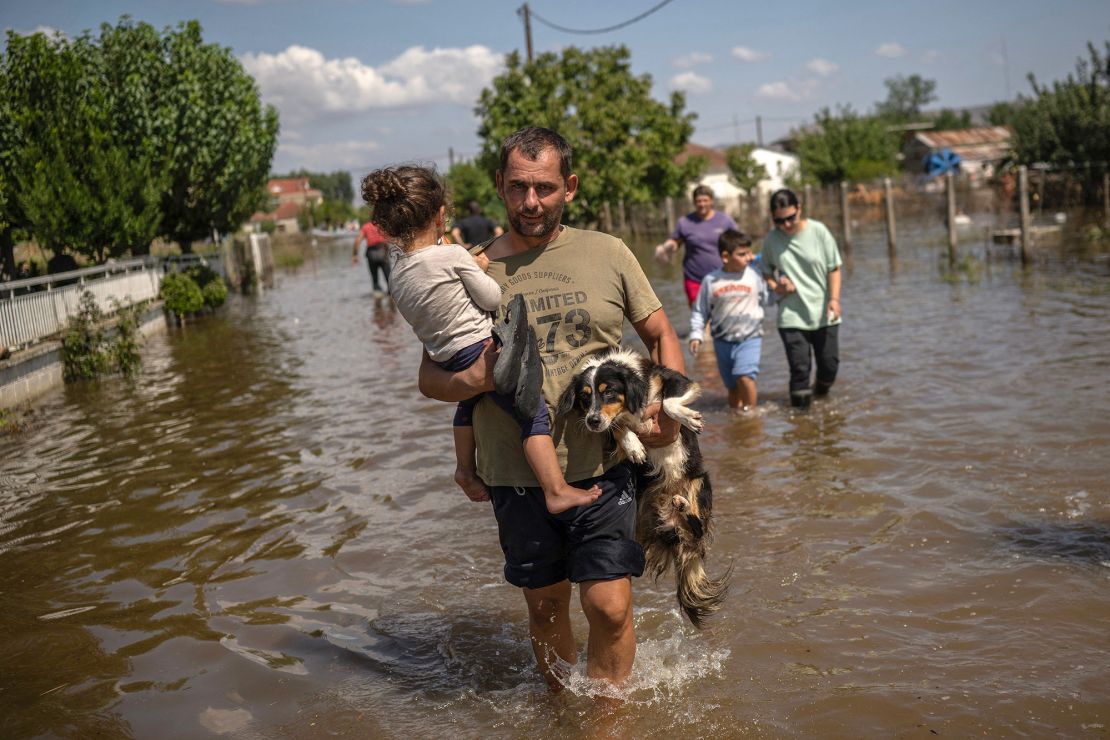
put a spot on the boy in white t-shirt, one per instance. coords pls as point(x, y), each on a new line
point(731, 301)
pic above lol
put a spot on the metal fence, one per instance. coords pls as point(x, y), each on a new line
point(36, 308)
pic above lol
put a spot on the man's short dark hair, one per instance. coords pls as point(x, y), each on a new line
point(731, 240)
point(533, 141)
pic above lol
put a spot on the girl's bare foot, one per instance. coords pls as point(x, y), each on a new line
point(567, 497)
point(471, 484)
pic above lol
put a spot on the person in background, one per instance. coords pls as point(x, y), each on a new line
point(476, 228)
point(801, 264)
point(377, 254)
point(698, 233)
point(731, 299)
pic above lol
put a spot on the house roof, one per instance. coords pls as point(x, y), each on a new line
point(965, 137)
point(717, 161)
point(291, 186)
point(285, 211)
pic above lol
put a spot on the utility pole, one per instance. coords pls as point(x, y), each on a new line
point(450, 157)
point(527, 30)
point(759, 131)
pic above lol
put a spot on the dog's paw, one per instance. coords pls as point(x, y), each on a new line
point(634, 450)
point(679, 503)
point(697, 422)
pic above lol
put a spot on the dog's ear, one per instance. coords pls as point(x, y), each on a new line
point(635, 393)
point(568, 398)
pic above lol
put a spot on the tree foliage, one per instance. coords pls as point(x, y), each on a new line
point(906, 97)
point(1068, 122)
point(847, 146)
point(624, 141)
point(469, 181)
point(748, 172)
point(108, 141)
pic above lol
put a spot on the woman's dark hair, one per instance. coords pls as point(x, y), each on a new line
point(404, 199)
point(703, 190)
point(533, 141)
point(783, 199)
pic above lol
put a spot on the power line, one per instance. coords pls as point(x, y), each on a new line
point(628, 22)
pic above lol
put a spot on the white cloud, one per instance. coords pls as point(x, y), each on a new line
point(890, 50)
point(692, 59)
point(778, 91)
point(745, 54)
point(692, 83)
point(822, 67)
point(331, 155)
point(306, 86)
point(49, 31)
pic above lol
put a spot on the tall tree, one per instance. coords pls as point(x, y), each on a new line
point(748, 172)
point(1068, 122)
point(467, 181)
point(847, 146)
point(625, 142)
point(906, 97)
point(221, 138)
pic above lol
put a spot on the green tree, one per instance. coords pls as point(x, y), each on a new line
point(1068, 122)
point(748, 172)
point(847, 146)
point(1003, 113)
point(469, 181)
point(624, 141)
point(906, 97)
point(221, 139)
point(948, 120)
point(80, 183)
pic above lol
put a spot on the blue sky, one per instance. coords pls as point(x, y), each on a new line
point(364, 83)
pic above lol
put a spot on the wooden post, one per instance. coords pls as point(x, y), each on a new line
point(1106, 200)
point(807, 199)
point(845, 216)
point(950, 188)
point(606, 218)
point(1026, 225)
point(622, 220)
point(668, 205)
point(891, 234)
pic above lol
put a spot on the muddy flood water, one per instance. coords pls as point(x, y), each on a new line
point(259, 536)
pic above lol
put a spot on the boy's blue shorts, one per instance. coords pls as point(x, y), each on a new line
point(738, 359)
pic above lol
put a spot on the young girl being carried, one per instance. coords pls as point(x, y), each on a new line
point(446, 296)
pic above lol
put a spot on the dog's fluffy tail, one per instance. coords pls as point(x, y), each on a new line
point(698, 594)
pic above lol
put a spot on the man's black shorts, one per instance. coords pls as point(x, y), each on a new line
point(596, 542)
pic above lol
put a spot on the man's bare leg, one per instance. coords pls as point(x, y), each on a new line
point(611, 649)
point(549, 626)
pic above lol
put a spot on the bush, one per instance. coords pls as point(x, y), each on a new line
point(88, 351)
point(215, 294)
point(181, 294)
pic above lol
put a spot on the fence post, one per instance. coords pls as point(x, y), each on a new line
point(950, 188)
point(1026, 226)
point(891, 235)
point(669, 204)
point(846, 216)
point(807, 201)
point(1106, 200)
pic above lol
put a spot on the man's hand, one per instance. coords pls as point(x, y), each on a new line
point(482, 260)
point(695, 345)
point(663, 429)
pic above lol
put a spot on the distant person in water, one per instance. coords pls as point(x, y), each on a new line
point(697, 233)
point(377, 254)
point(476, 228)
point(801, 264)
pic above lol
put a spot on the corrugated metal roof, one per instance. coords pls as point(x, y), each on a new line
point(965, 137)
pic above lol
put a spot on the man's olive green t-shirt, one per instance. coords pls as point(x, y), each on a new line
point(579, 290)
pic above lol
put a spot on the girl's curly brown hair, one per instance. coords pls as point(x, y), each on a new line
point(404, 199)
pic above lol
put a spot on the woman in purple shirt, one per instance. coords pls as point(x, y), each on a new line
point(698, 232)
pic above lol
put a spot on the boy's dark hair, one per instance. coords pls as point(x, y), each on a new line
point(532, 141)
point(731, 240)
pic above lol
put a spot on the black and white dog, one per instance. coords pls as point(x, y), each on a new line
point(673, 526)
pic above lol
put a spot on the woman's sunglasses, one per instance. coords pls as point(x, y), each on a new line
point(785, 219)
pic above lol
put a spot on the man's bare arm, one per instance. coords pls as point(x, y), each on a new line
point(664, 349)
point(444, 385)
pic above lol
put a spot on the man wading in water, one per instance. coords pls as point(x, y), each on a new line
point(580, 286)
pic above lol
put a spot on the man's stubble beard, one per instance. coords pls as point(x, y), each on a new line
point(550, 222)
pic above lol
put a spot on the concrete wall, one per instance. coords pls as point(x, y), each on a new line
point(29, 373)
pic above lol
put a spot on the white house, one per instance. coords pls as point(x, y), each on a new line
point(779, 166)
